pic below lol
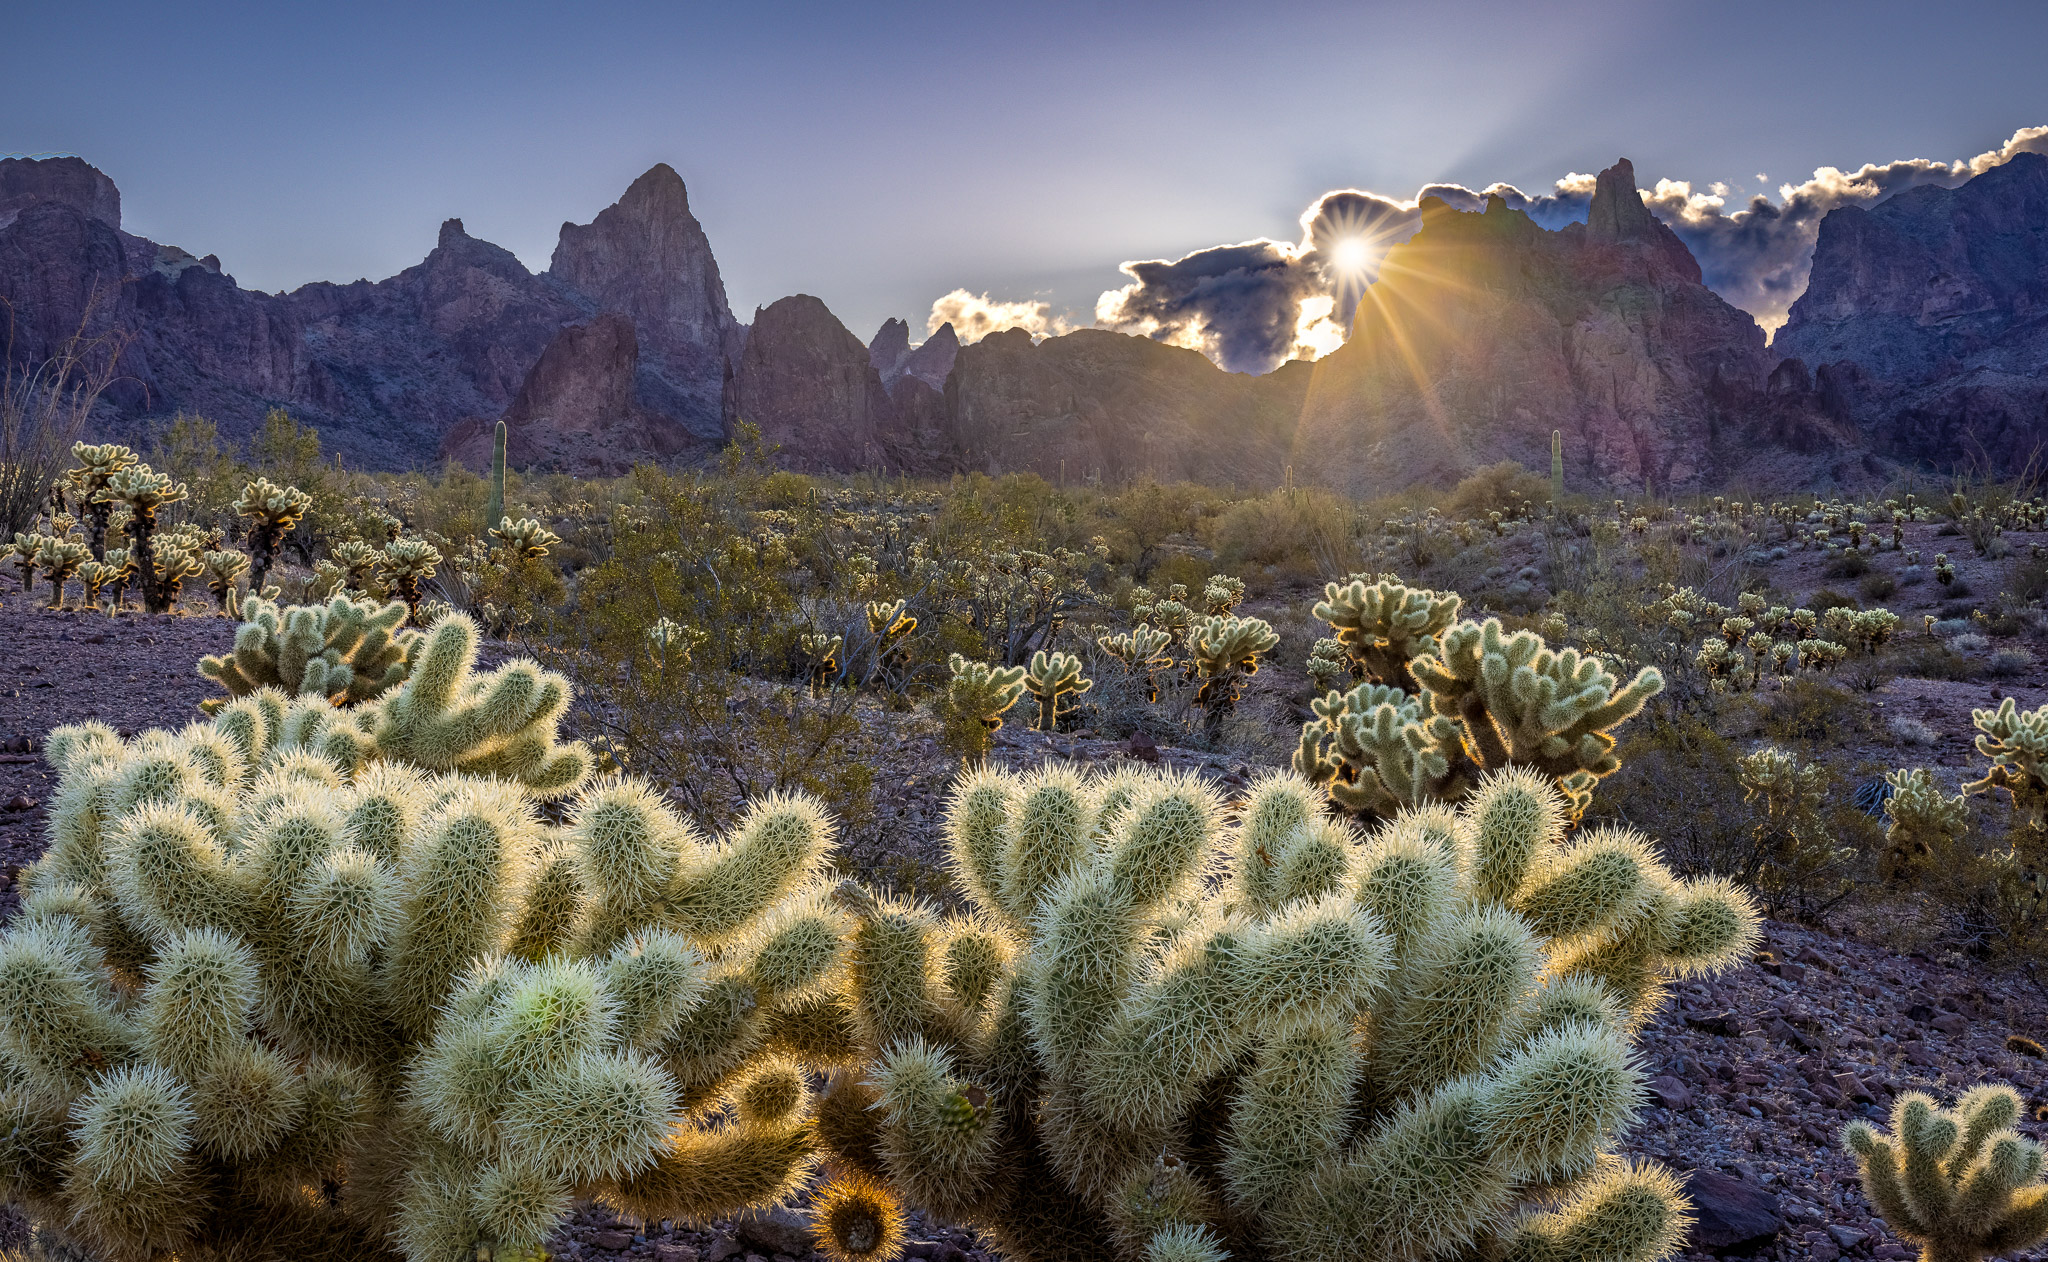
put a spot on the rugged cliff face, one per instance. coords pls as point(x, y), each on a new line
point(647, 257)
point(1931, 311)
point(810, 385)
point(1485, 332)
point(1093, 403)
point(384, 369)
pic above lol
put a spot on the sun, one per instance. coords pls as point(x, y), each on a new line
point(1351, 255)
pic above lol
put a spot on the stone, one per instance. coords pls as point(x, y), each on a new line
point(777, 1230)
point(888, 349)
point(612, 1239)
point(665, 1251)
point(1730, 1215)
point(1669, 1093)
point(723, 1246)
point(1846, 1236)
point(1725, 1024)
point(932, 360)
point(1952, 1024)
point(807, 382)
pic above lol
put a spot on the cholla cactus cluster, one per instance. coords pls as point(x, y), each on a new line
point(1962, 1184)
point(1444, 703)
point(159, 570)
point(97, 465)
point(524, 539)
point(345, 652)
point(1925, 826)
point(1053, 680)
point(273, 511)
point(2016, 742)
point(1225, 651)
point(307, 982)
point(1141, 652)
point(980, 694)
point(1377, 1046)
point(224, 571)
point(405, 564)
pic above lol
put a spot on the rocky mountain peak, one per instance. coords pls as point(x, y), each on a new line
point(1617, 212)
point(71, 182)
point(933, 360)
point(890, 346)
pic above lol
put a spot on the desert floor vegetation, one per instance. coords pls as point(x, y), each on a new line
point(727, 860)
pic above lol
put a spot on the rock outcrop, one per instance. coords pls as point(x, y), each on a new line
point(889, 348)
point(809, 384)
point(647, 257)
point(1485, 332)
point(72, 182)
point(1929, 313)
point(384, 369)
point(576, 412)
point(932, 361)
point(1096, 404)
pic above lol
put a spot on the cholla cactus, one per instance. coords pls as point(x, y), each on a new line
point(223, 572)
point(144, 491)
point(2017, 745)
point(22, 555)
point(525, 539)
point(282, 988)
point(1329, 666)
point(979, 694)
point(354, 569)
point(120, 572)
point(1926, 826)
point(1386, 625)
point(1961, 1184)
point(1053, 679)
point(672, 643)
point(93, 576)
point(1226, 652)
point(1944, 572)
point(1170, 616)
point(345, 652)
point(407, 563)
point(1820, 655)
point(273, 511)
point(821, 655)
point(97, 465)
point(1221, 594)
point(1142, 653)
point(59, 558)
point(1486, 700)
point(1352, 1047)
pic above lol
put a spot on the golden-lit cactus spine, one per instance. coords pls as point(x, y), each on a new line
point(1961, 1183)
point(281, 990)
point(274, 512)
point(145, 491)
point(97, 465)
point(404, 566)
point(1376, 1047)
point(346, 652)
point(21, 554)
point(1925, 826)
point(1226, 650)
point(1141, 652)
point(1053, 680)
point(977, 696)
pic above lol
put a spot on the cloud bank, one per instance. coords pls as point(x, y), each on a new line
point(1254, 305)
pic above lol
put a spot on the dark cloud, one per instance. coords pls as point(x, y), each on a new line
point(1253, 306)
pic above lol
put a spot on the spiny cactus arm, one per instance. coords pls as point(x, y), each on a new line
point(1958, 1183)
point(940, 1134)
point(1182, 1024)
point(446, 718)
point(858, 1219)
point(1385, 625)
point(2016, 742)
point(978, 811)
point(777, 848)
point(1456, 1002)
point(709, 1174)
point(55, 1022)
point(1292, 1112)
point(134, 1186)
point(1626, 1212)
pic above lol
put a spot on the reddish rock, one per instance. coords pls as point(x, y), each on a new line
point(1730, 1216)
point(576, 411)
point(808, 383)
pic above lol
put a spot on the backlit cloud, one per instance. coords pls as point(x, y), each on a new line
point(1254, 305)
point(975, 316)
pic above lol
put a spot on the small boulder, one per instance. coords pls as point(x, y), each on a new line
point(1669, 1093)
point(775, 1230)
point(1730, 1216)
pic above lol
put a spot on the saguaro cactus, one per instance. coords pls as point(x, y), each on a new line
point(1961, 1184)
point(375, 1006)
point(1557, 465)
point(1374, 1047)
point(273, 511)
point(494, 508)
point(1053, 680)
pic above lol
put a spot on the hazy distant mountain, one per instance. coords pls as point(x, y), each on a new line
point(1924, 335)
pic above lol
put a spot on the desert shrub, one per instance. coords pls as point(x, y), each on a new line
point(1302, 531)
point(1877, 585)
point(2009, 662)
point(2028, 577)
point(1849, 563)
point(1828, 598)
point(1808, 711)
point(1910, 731)
point(1500, 487)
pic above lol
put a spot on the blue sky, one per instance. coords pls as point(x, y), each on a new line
point(880, 155)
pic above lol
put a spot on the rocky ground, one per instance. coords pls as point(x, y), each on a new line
point(1753, 1073)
